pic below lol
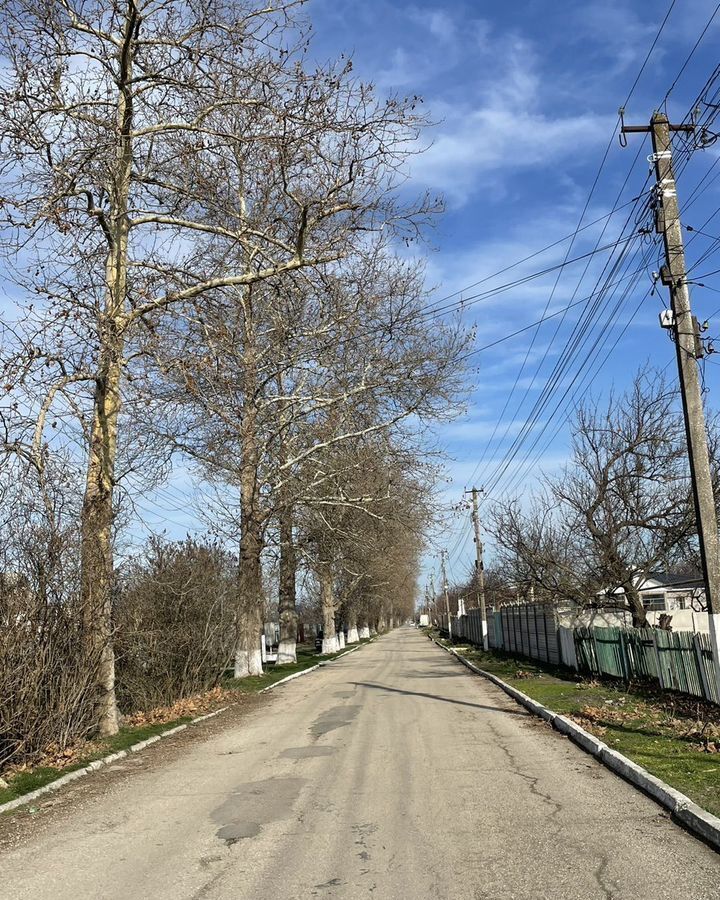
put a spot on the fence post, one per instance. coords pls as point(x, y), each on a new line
point(657, 659)
point(624, 656)
point(701, 666)
point(598, 665)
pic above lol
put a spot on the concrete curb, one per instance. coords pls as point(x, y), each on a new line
point(292, 677)
point(325, 662)
point(141, 745)
point(682, 809)
point(101, 763)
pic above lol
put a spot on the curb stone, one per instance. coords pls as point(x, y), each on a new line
point(290, 678)
point(100, 763)
point(325, 662)
point(682, 809)
point(141, 745)
point(701, 822)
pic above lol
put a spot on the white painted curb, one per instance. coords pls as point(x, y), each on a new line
point(290, 678)
point(141, 745)
point(697, 820)
point(100, 763)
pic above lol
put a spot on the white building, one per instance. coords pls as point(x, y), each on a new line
point(663, 592)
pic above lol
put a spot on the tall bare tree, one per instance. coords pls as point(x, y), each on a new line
point(272, 381)
point(143, 145)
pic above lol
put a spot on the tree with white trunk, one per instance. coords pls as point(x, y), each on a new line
point(138, 138)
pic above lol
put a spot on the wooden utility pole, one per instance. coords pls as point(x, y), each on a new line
point(443, 554)
point(479, 568)
point(684, 329)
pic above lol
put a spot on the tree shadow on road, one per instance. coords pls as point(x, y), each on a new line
point(383, 687)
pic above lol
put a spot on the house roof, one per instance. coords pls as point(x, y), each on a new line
point(668, 580)
point(655, 581)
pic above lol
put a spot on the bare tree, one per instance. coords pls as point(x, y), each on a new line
point(269, 382)
point(621, 508)
point(143, 144)
point(368, 535)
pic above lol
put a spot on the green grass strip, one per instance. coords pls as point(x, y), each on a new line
point(650, 730)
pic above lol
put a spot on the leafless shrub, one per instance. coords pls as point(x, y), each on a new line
point(174, 623)
point(48, 671)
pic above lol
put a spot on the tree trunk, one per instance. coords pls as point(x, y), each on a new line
point(639, 618)
point(248, 655)
point(287, 609)
point(381, 622)
point(330, 642)
point(353, 637)
point(96, 552)
point(364, 632)
point(248, 658)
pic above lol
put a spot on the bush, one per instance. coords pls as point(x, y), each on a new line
point(47, 673)
point(174, 623)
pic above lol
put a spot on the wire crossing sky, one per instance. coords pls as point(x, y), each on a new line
point(546, 247)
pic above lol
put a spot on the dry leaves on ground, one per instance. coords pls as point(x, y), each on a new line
point(53, 757)
point(187, 707)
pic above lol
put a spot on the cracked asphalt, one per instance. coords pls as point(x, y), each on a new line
point(393, 773)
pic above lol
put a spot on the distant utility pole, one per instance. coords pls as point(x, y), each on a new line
point(479, 567)
point(687, 346)
point(443, 554)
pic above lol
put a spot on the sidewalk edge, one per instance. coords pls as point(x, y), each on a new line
point(698, 821)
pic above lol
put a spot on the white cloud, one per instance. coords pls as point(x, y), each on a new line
point(478, 144)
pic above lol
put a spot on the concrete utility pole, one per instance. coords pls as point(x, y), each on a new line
point(443, 554)
point(479, 568)
point(687, 346)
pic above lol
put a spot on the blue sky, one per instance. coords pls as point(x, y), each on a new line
point(525, 96)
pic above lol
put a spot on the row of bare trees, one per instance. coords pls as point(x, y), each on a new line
point(203, 229)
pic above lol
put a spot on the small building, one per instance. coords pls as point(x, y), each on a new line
point(665, 592)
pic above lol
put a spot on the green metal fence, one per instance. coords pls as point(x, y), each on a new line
point(681, 661)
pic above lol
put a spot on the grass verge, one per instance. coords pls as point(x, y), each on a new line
point(306, 658)
point(25, 781)
point(675, 737)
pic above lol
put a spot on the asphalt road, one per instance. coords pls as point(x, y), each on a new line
point(392, 774)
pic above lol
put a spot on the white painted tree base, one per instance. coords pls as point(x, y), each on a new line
point(248, 663)
point(353, 636)
point(341, 640)
point(255, 663)
point(364, 632)
point(330, 644)
point(242, 669)
point(287, 653)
